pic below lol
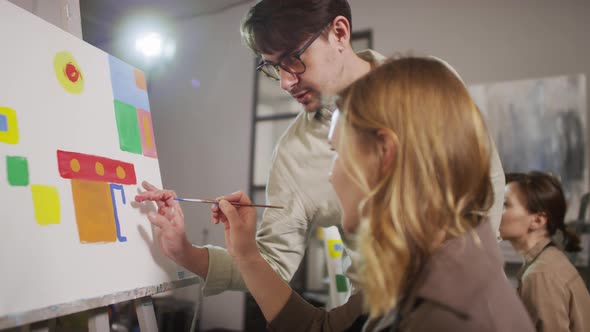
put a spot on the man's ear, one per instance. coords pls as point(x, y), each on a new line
point(340, 28)
point(539, 221)
point(387, 145)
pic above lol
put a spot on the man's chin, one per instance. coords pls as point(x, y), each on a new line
point(312, 106)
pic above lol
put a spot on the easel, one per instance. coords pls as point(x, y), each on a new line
point(146, 316)
point(44, 318)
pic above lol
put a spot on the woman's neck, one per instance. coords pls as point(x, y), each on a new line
point(526, 243)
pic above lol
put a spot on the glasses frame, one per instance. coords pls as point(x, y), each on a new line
point(296, 55)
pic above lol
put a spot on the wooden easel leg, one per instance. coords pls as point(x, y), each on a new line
point(46, 326)
point(144, 307)
point(99, 320)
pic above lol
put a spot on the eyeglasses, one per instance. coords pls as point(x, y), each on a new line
point(290, 63)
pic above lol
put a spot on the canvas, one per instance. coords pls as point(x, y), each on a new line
point(76, 140)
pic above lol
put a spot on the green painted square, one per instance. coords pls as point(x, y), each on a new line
point(341, 283)
point(128, 128)
point(18, 171)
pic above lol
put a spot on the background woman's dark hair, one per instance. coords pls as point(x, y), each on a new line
point(542, 193)
point(282, 25)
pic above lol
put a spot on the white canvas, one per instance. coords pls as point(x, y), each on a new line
point(47, 265)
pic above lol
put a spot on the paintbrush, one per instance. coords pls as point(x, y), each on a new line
point(212, 201)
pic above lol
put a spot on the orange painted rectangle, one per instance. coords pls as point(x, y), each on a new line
point(140, 79)
point(94, 211)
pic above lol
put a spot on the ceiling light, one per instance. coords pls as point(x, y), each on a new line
point(149, 45)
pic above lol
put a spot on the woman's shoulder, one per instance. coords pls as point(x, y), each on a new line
point(433, 316)
point(552, 264)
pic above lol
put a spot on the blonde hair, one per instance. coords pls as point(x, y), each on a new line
point(440, 178)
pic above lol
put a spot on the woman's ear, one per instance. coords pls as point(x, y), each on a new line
point(387, 149)
point(539, 221)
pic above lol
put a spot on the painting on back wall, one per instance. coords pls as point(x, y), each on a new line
point(540, 124)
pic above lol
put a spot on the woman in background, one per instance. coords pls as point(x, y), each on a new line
point(411, 172)
point(549, 285)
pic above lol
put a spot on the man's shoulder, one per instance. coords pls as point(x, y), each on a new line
point(372, 56)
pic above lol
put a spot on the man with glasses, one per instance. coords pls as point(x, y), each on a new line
point(305, 45)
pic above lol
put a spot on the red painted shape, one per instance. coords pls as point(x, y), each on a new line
point(72, 72)
point(74, 165)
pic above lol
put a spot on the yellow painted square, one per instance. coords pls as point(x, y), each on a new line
point(46, 203)
point(10, 136)
point(335, 248)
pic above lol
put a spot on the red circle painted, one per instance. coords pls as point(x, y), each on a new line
point(72, 72)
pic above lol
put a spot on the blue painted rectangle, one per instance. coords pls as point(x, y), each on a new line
point(119, 187)
point(124, 87)
point(3, 122)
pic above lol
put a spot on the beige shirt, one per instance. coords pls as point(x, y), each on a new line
point(553, 291)
point(298, 180)
point(461, 288)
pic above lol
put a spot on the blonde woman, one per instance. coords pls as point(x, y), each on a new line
point(411, 173)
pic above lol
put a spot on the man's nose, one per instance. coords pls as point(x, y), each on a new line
point(288, 80)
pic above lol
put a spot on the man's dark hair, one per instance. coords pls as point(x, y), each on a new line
point(282, 25)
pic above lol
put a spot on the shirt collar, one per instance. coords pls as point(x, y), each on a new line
point(535, 251)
